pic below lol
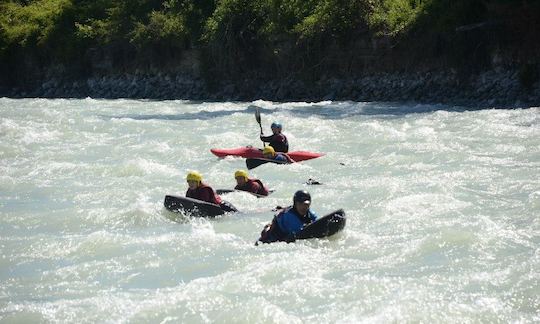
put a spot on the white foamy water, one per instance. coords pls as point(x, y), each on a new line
point(443, 207)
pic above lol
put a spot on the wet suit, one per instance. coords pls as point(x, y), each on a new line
point(277, 141)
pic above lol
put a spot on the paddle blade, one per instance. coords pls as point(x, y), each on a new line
point(224, 191)
point(258, 115)
point(253, 163)
point(258, 119)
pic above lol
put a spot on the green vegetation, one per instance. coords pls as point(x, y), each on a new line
point(392, 17)
point(237, 36)
point(32, 24)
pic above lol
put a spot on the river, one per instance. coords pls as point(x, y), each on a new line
point(442, 203)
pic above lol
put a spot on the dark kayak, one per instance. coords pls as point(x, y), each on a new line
point(196, 207)
point(252, 163)
point(325, 226)
point(226, 191)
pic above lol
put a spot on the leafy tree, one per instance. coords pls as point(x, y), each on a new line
point(30, 24)
point(393, 17)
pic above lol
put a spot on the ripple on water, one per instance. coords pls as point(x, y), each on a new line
point(442, 206)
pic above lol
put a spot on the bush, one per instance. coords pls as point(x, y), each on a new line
point(163, 28)
point(394, 17)
point(30, 25)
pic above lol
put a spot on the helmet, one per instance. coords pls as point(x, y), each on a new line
point(269, 150)
point(241, 173)
point(194, 176)
point(275, 125)
point(302, 196)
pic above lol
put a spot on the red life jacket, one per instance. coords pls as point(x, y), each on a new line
point(263, 190)
point(205, 193)
point(250, 187)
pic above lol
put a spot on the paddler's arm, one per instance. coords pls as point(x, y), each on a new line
point(312, 215)
point(266, 138)
point(289, 159)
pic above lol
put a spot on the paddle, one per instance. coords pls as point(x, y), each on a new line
point(258, 119)
point(226, 191)
point(252, 163)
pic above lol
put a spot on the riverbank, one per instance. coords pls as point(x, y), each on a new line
point(477, 53)
point(494, 88)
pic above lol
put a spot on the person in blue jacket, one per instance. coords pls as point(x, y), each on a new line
point(290, 220)
point(269, 153)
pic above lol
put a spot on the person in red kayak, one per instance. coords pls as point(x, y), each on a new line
point(270, 153)
point(201, 191)
point(277, 140)
point(244, 183)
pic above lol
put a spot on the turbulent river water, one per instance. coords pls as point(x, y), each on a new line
point(442, 203)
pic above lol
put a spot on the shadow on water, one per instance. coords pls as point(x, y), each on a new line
point(333, 110)
point(384, 110)
point(200, 115)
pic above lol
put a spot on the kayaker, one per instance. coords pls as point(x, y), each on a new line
point(290, 220)
point(201, 191)
point(270, 153)
point(277, 140)
point(245, 183)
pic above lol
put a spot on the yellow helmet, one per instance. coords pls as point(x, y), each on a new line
point(241, 173)
point(194, 176)
point(269, 150)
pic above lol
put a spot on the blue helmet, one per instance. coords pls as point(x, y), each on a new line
point(275, 125)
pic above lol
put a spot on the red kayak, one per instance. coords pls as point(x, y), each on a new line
point(252, 152)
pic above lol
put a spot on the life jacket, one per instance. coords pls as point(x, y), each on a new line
point(278, 141)
point(285, 157)
point(248, 185)
point(278, 145)
point(204, 192)
point(263, 190)
point(272, 232)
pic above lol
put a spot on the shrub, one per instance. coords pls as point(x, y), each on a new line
point(32, 24)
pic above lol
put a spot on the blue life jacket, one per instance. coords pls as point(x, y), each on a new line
point(285, 225)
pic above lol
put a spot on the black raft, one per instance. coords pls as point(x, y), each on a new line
point(196, 207)
point(325, 226)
